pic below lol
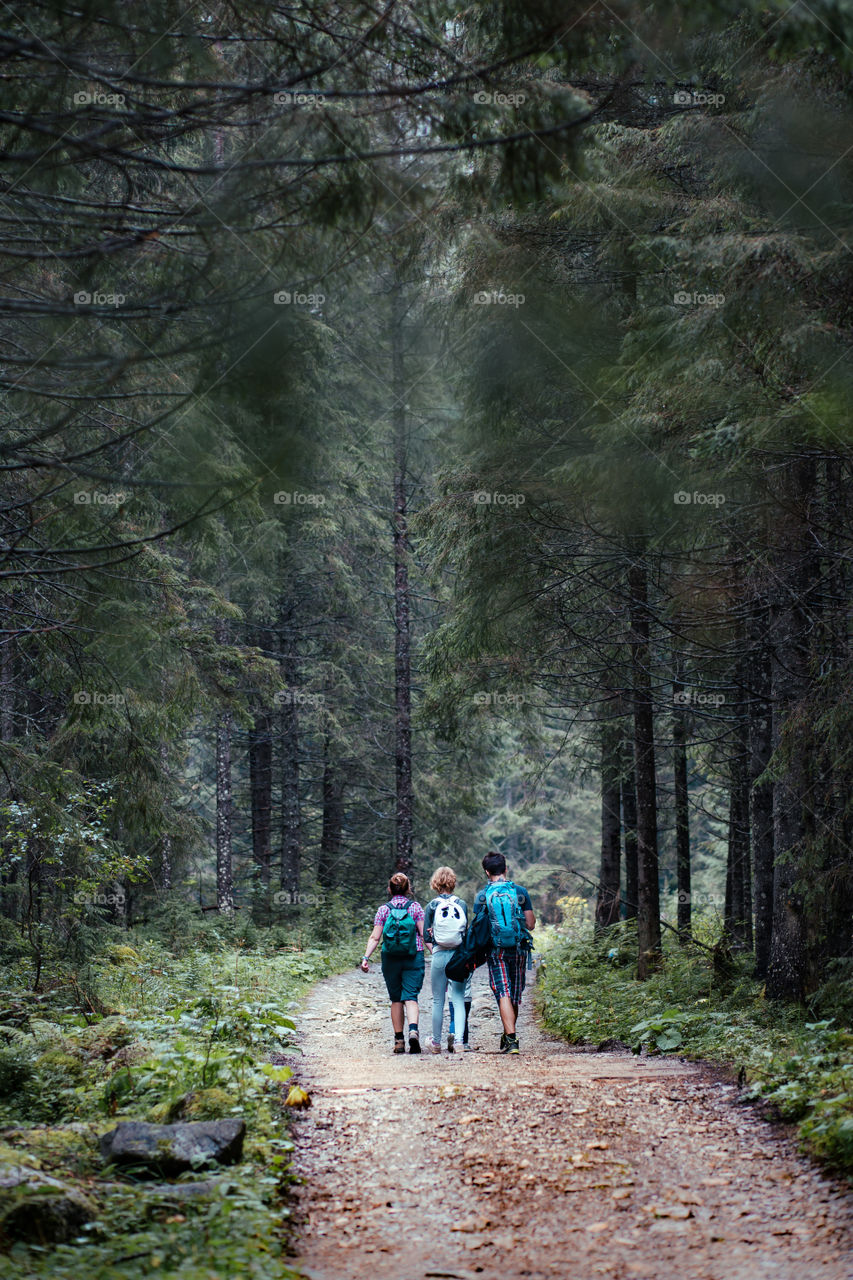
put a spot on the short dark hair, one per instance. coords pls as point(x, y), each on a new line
point(494, 864)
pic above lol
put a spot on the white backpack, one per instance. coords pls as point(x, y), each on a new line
point(449, 923)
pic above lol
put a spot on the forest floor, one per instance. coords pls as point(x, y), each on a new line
point(557, 1162)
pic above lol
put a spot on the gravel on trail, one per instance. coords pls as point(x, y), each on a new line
point(555, 1162)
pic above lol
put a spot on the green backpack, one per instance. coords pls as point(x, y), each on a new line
point(400, 932)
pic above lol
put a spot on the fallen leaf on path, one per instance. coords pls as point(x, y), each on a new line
point(297, 1097)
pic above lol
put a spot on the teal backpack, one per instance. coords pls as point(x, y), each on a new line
point(400, 932)
point(506, 922)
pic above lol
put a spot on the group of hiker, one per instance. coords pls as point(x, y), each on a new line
point(497, 933)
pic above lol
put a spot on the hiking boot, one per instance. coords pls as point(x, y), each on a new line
point(503, 1042)
point(512, 1044)
point(399, 1046)
point(414, 1042)
point(434, 1046)
point(450, 1040)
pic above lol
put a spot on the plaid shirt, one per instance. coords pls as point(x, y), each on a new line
point(416, 911)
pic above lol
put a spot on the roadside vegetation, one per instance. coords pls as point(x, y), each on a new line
point(705, 1004)
point(148, 1032)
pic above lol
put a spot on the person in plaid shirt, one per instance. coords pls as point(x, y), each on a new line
point(507, 965)
point(404, 975)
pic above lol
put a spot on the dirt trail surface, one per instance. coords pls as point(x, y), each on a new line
point(552, 1163)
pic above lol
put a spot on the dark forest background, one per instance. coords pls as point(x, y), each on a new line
point(420, 433)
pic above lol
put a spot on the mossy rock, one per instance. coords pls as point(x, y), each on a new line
point(43, 1214)
point(202, 1104)
point(120, 953)
point(171, 1149)
point(161, 1113)
point(17, 1156)
point(61, 1063)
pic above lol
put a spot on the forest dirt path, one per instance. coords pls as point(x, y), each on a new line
point(553, 1163)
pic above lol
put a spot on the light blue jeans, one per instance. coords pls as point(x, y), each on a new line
point(467, 1001)
point(440, 982)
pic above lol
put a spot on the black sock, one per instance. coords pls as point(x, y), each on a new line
point(467, 1012)
point(413, 1028)
point(398, 1035)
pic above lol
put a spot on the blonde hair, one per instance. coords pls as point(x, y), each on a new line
point(399, 884)
point(443, 880)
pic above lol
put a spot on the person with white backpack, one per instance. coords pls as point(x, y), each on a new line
point(445, 922)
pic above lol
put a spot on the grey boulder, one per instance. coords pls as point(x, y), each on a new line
point(170, 1149)
point(38, 1209)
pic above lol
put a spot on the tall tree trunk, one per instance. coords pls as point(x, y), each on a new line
point(648, 889)
point(738, 909)
point(748, 933)
point(166, 838)
point(790, 630)
point(608, 903)
point(331, 838)
point(31, 917)
point(224, 865)
point(7, 685)
point(402, 615)
point(629, 825)
point(830, 926)
point(682, 809)
point(260, 782)
point(291, 812)
point(260, 794)
point(757, 677)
